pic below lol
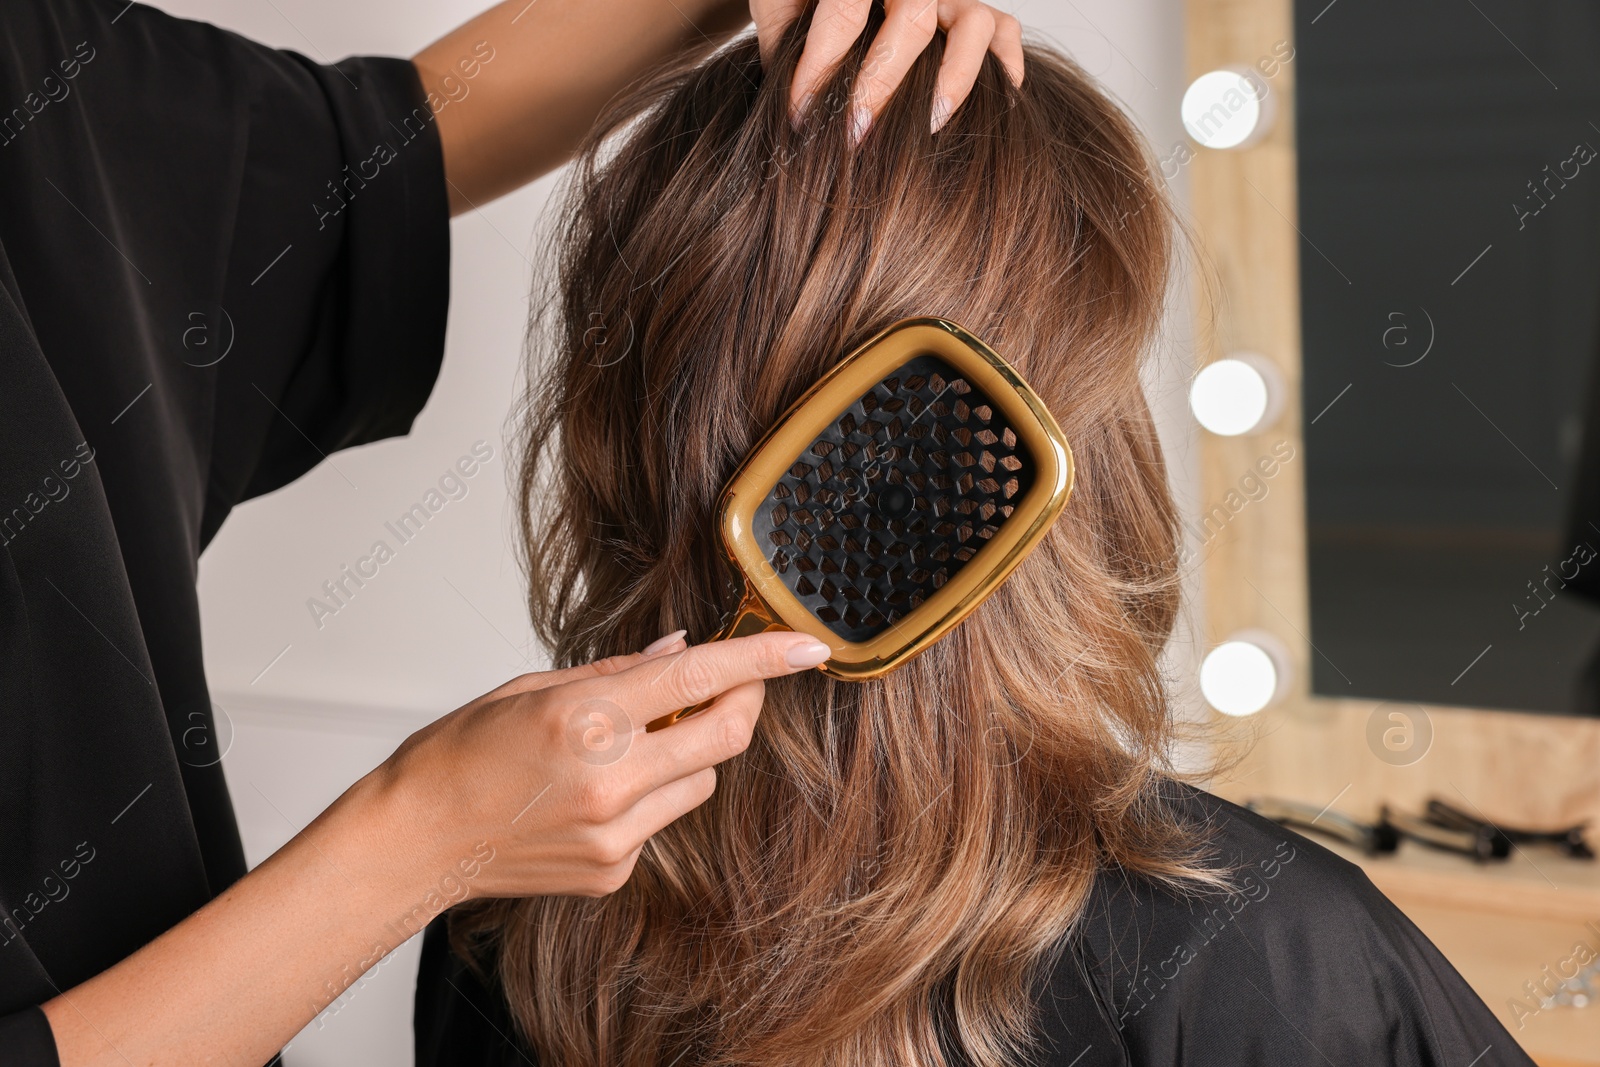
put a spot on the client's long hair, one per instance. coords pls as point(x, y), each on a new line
point(892, 866)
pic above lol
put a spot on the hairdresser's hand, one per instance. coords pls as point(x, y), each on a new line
point(515, 794)
point(971, 28)
point(556, 772)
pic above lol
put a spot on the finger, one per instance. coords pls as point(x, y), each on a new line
point(683, 679)
point(1007, 45)
point(834, 28)
point(906, 31)
point(662, 807)
point(966, 43)
point(719, 733)
point(673, 642)
point(656, 761)
point(532, 683)
point(772, 18)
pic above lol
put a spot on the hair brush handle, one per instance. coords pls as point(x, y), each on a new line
point(752, 617)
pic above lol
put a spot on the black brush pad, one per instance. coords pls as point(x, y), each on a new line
point(894, 498)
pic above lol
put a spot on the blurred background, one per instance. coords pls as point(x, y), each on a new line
point(308, 701)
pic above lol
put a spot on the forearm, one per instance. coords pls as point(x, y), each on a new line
point(554, 64)
point(500, 798)
point(238, 979)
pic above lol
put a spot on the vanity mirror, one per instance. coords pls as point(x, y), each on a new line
point(1449, 198)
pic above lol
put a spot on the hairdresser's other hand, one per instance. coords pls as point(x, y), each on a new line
point(556, 773)
point(971, 30)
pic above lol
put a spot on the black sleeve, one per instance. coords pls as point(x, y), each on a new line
point(340, 276)
point(219, 262)
point(373, 288)
point(262, 239)
point(26, 1038)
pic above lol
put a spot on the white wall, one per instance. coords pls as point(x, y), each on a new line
point(314, 708)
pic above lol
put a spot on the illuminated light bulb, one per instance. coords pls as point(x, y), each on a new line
point(1237, 395)
point(1245, 673)
point(1228, 108)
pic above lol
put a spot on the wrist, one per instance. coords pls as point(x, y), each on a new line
point(377, 833)
point(420, 865)
point(309, 922)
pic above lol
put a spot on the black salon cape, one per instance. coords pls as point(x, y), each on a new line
point(190, 315)
point(1305, 964)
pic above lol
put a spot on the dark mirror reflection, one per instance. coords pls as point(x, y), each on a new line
point(1449, 177)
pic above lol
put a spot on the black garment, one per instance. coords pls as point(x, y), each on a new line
point(218, 262)
point(1306, 963)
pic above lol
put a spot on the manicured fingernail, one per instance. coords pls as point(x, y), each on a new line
point(808, 654)
point(661, 644)
point(941, 113)
point(860, 122)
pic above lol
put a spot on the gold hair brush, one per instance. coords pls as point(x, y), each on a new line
point(892, 498)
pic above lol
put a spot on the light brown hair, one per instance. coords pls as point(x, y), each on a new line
point(896, 860)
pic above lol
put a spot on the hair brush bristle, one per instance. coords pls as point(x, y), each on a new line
point(893, 499)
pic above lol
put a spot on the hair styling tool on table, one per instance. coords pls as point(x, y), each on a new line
point(892, 499)
point(1371, 839)
point(1483, 843)
point(1569, 840)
